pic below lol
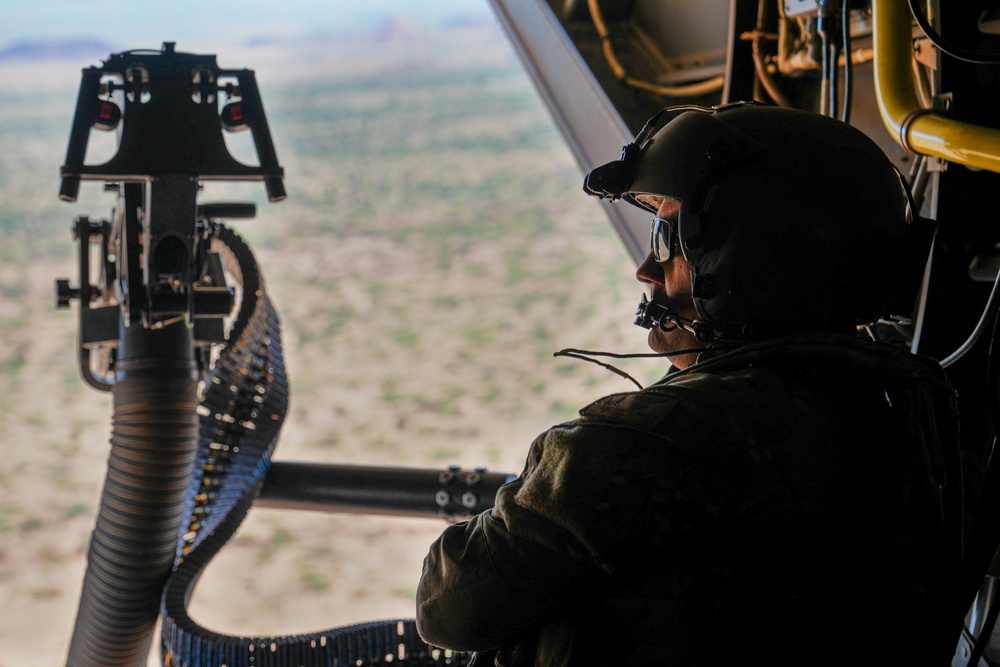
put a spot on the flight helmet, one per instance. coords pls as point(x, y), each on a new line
point(791, 220)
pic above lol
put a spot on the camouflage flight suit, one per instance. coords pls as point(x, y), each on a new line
point(786, 503)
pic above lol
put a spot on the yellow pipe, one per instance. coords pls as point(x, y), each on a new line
point(916, 129)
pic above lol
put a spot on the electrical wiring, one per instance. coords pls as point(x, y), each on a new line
point(686, 90)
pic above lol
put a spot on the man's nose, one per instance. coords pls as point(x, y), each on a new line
point(649, 271)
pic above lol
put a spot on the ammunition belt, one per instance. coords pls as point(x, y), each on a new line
point(241, 411)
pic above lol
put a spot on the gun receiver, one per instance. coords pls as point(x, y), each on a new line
point(157, 265)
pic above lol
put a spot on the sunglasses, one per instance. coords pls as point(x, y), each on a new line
point(663, 239)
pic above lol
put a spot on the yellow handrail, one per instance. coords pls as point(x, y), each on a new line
point(917, 129)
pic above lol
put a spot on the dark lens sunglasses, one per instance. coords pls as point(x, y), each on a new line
point(663, 239)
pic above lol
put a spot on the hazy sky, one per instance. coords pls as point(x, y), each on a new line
point(152, 21)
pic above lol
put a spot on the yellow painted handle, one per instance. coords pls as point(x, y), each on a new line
point(916, 129)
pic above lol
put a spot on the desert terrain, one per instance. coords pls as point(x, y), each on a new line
point(434, 251)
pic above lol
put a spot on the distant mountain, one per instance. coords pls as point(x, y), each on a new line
point(390, 29)
point(470, 21)
point(397, 28)
point(56, 49)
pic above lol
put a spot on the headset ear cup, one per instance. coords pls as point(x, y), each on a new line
point(689, 237)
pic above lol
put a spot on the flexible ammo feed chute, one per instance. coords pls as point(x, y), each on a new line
point(240, 414)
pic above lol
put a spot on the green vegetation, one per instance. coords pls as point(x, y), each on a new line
point(278, 539)
point(7, 512)
point(311, 579)
point(75, 510)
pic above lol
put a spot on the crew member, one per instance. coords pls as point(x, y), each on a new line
point(788, 493)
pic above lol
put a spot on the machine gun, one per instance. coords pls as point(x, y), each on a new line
point(175, 322)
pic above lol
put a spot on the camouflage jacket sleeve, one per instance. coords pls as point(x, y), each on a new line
point(546, 547)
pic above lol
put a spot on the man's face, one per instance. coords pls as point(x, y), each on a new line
point(670, 285)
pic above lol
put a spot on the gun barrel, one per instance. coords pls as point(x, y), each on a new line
point(452, 493)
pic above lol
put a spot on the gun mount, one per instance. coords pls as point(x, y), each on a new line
point(168, 104)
